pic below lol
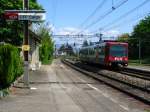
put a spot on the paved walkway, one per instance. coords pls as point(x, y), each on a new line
point(58, 88)
point(26, 100)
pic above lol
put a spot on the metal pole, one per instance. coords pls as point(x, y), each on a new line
point(26, 42)
point(112, 3)
point(140, 50)
point(55, 51)
point(100, 35)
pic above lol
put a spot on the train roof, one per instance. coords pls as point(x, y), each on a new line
point(104, 43)
point(123, 43)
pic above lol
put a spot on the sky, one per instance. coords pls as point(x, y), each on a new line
point(67, 16)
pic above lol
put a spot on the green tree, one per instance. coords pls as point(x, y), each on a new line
point(11, 65)
point(62, 48)
point(67, 49)
point(85, 43)
point(141, 34)
point(47, 45)
point(142, 30)
point(11, 32)
point(123, 37)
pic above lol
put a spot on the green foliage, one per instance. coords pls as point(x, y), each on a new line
point(141, 33)
point(47, 45)
point(124, 37)
point(11, 32)
point(46, 50)
point(142, 30)
point(68, 49)
point(85, 43)
point(62, 48)
point(11, 65)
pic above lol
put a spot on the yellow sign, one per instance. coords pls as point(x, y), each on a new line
point(25, 47)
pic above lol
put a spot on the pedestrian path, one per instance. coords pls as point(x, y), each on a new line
point(57, 88)
point(36, 99)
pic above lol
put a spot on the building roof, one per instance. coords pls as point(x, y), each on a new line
point(34, 36)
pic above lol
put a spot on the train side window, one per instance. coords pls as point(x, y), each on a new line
point(99, 49)
point(91, 51)
point(102, 50)
point(86, 52)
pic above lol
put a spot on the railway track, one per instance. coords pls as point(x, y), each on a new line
point(130, 84)
point(136, 73)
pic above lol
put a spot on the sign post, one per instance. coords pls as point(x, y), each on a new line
point(25, 15)
point(26, 42)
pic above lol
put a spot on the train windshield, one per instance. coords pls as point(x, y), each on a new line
point(118, 50)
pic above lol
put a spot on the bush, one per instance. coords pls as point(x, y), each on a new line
point(47, 45)
point(46, 50)
point(11, 65)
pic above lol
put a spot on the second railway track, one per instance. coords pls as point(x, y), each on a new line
point(132, 85)
point(136, 73)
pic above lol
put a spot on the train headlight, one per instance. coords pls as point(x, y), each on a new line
point(109, 64)
point(118, 59)
point(126, 59)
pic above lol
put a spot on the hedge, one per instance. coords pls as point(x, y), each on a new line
point(11, 65)
point(46, 50)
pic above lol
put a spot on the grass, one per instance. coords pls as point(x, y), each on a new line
point(47, 62)
point(4, 92)
point(147, 110)
point(144, 62)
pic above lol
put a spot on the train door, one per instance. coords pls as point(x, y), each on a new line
point(107, 47)
point(96, 54)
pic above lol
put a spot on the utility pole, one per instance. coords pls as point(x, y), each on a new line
point(55, 51)
point(26, 42)
point(113, 8)
point(140, 50)
point(25, 15)
point(100, 35)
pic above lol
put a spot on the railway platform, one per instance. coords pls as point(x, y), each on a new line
point(58, 88)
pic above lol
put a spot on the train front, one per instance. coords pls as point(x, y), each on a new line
point(118, 54)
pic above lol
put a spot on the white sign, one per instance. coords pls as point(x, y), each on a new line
point(31, 16)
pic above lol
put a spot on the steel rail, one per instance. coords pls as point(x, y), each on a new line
point(132, 90)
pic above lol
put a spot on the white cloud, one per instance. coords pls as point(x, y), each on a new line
point(65, 31)
point(70, 31)
point(111, 33)
point(51, 26)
